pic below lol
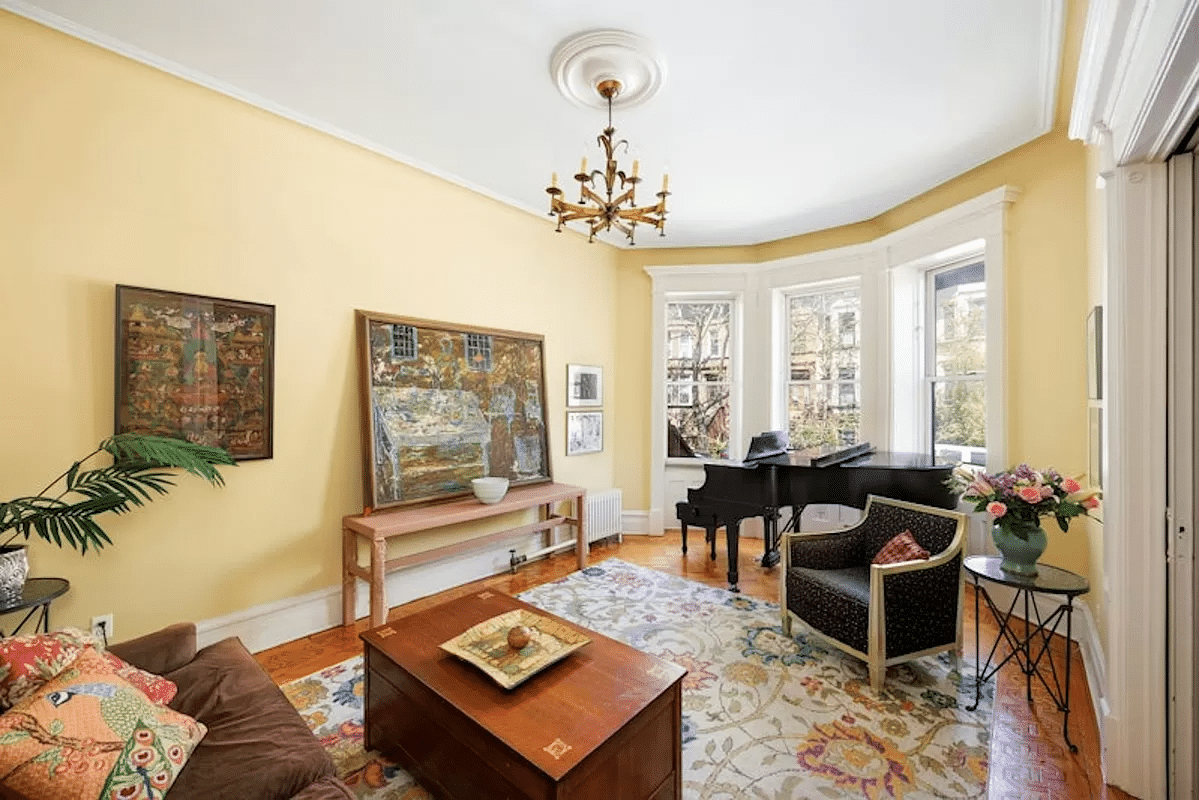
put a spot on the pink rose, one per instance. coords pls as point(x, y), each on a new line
point(1030, 494)
point(1091, 502)
point(996, 509)
point(1070, 486)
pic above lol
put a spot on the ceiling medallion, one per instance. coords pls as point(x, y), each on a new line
point(617, 70)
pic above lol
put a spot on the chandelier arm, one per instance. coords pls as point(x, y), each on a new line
point(660, 208)
point(571, 217)
point(626, 229)
point(593, 197)
point(655, 222)
point(627, 197)
point(561, 206)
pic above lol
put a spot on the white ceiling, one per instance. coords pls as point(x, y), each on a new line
point(775, 117)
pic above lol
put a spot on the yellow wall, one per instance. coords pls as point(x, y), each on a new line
point(112, 172)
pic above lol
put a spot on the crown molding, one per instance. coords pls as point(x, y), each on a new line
point(1138, 76)
point(1052, 43)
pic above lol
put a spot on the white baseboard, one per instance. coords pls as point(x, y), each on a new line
point(269, 624)
point(634, 522)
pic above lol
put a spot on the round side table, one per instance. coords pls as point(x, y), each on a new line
point(1030, 649)
point(36, 596)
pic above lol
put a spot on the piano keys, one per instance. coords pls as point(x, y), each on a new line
point(735, 491)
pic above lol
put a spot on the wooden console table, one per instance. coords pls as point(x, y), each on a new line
point(377, 528)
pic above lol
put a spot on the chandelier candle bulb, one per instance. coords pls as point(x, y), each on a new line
point(554, 179)
point(636, 166)
point(665, 181)
point(583, 166)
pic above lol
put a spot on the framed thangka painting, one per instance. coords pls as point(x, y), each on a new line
point(196, 368)
point(443, 403)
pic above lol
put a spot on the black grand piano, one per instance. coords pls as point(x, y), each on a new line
point(773, 478)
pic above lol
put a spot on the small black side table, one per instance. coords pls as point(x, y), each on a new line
point(36, 596)
point(1032, 652)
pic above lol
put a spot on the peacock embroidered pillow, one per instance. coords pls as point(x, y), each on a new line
point(88, 733)
point(27, 662)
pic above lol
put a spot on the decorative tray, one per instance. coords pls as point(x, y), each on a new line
point(486, 646)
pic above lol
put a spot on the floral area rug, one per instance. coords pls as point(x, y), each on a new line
point(764, 716)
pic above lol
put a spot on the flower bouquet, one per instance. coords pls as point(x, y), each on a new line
point(1018, 498)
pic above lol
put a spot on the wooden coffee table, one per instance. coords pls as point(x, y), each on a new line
point(603, 723)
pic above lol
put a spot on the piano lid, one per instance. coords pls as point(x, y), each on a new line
point(828, 457)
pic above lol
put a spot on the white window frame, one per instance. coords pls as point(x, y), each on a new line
point(929, 335)
point(927, 248)
point(734, 300)
point(782, 418)
point(891, 270)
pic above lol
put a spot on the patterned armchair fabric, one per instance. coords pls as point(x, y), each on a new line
point(881, 613)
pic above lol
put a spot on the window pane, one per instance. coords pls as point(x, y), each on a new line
point(700, 429)
point(824, 414)
point(697, 376)
point(824, 405)
point(960, 420)
point(960, 308)
point(824, 330)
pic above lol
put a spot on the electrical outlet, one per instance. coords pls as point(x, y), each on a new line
point(102, 627)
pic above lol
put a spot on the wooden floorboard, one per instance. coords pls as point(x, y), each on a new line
point(1029, 758)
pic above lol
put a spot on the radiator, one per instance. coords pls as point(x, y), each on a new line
point(602, 515)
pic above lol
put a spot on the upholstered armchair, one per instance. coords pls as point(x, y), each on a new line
point(880, 613)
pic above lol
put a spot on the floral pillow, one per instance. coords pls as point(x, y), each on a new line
point(901, 547)
point(155, 687)
point(27, 662)
point(89, 734)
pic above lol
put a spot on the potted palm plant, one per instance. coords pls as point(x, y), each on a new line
point(65, 511)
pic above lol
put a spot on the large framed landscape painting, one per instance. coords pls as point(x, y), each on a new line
point(443, 403)
point(196, 368)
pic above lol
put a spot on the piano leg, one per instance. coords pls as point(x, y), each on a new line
point(770, 553)
point(684, 526)
point(733, 531)
point(711, 540)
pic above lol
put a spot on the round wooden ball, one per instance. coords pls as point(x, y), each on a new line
point(519, 637)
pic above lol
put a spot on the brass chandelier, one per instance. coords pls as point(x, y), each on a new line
point(617, 206)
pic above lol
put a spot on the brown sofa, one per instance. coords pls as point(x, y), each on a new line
point(257, 746)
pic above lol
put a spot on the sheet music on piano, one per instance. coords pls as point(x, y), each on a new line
point(771, 447)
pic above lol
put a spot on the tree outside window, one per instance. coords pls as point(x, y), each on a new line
point(698, 378)
point(824, 392)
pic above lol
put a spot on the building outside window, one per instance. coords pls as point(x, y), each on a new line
point(956, 362)
point(824, 362)
point(698, 379)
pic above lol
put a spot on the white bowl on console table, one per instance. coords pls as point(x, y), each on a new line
point(489, 490)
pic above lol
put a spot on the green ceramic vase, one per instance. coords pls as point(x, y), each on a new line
point(1020, 555)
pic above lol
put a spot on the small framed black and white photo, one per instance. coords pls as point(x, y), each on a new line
point(584, 432)
point(584, 385)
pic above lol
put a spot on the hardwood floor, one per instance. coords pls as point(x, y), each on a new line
point(1029, 759)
